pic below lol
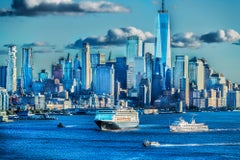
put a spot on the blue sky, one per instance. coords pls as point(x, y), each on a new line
point(208, 29)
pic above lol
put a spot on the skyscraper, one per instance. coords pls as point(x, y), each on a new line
point(180, 70)
point(27, 74)
point(162, 45)
point(4, 98)
point(3, 76)
point(68, 74)
point(86, 67)
point(196, 72)
point(11, 85)
point(134, 48)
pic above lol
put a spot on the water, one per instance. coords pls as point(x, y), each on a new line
point(81, 139)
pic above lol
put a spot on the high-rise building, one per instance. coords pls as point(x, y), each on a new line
point(134, 48)
point(4, 100)
point(196, 73)
point(68, 74)
point(77, 74)
point(11, 85)
point(233, 99)
point(96, 59)
point(105, 80)
point(39, 101)
point(86, 67)
point(3, 76)
point(139, 70)
point(27, 71)
point(43, 75)
point(149, 66)
point(180, 70)
point(148, 48)
point(121, 71)
point(162, 45)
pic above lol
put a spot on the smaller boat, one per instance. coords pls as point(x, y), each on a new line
point(60, 125)
point(183, 126)
point(147, 143)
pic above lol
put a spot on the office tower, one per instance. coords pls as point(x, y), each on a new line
point(233, 99)
point(39, 101)
point(144, 92)
point(139, 70)
point(68, 74)
point(104, 83)
point(27, 75)
point(86, 67)
point(77, 75)
point(57, 72)
point(162, 45)
point(96, 59)
point(11, 85)
point(180, 70)
point(196, 73)
point(134, 48)
point(184, 90)
point(207, 73)
point(149, 66)
point(148, 48)
point(156, 80)
point(121, 71)
point(3, 76)
point(130, 75)
point(4, 99)
point(43, 75)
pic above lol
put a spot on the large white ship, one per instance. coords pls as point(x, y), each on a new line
point(116, 118)
point(183, 126)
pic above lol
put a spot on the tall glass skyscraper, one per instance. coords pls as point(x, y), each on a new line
point(180, 70)
point(86, 67)
point(134, 48)
point(162, 45)
point(68, 74)
point(27, 74)
point(11, 85)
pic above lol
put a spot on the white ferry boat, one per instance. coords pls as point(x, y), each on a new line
point(116, 118)
point(183, 126)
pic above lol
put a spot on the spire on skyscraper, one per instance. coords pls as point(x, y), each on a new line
point(163, 8)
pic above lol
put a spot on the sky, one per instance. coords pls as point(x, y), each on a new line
point(53, 28)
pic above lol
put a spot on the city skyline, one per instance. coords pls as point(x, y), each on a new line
point(202, 29)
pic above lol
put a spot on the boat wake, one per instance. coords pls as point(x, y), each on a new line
point(224, 129)
point(199, 145)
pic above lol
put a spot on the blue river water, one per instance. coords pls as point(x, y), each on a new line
point(81, 139)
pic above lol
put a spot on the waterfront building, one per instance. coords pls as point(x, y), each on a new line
point(144, 92)
point(39, 102)
point(212, 98)
point(68, 74)
point(156, 81)
point(86, 67)
point(134, 48)
point(184, 91)
point(27, 70)
point(180, 70)
point(196, 73)
point(4, 100)
point(105, 80)
point(233, 99)
point(3, 76)
point(11, 84)
point(162, 46)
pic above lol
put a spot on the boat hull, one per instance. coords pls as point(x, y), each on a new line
point(188, 129)
point(110, 125)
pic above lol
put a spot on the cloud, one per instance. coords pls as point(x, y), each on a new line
point(220, 36)
point(237, 43)
point(117, 37)
point(37, 44)
point(56, 7)
point(191, 40)
point(185, 40)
